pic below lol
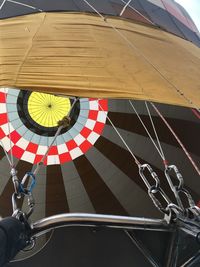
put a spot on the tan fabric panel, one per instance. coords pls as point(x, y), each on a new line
point(82, 55)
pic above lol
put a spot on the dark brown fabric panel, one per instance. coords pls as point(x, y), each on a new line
point(187, 131)
point(6, 196)
point(100, 195)
point(130, 13)
point(56, 199)
point(2, 154)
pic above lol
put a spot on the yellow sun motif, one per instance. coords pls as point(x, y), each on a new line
point(46, 109)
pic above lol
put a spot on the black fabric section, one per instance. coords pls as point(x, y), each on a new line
point(12, 239)
point(100, 195)
point(56, 199)
point(161, 18)
point(187, 131)
point(2, 154)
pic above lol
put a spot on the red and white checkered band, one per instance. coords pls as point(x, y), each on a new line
point(30, 147)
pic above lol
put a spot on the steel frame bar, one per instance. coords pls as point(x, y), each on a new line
point(85, 219)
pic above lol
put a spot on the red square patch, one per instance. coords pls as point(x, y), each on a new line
point(15, 137)
point(17, 151)
point(53, 151)
point(3, 118)
point(93, 115)
point(32, 148)
point(65, 157)
point(98, 127)
point(103, 103)
point(38, 158)
point(85, 146)
point(85, 132)
point(71, 145)
point(2, 134)
point(2, 97)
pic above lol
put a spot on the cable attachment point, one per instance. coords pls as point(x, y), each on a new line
point(29, 189)
point(154, 189)
point(25, 192)
point(178, 189)
point(15, 181)
point(65, 122)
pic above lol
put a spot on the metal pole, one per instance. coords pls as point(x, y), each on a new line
point(84, 219)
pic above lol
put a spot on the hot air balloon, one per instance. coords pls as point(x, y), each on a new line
point(127, 72)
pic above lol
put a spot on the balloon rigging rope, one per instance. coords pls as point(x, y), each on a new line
point(177, 138)
point(120, 136)
point(128, 4)
point(160, 151)
point(155, 132)
point(22, 4)
point(134, 47)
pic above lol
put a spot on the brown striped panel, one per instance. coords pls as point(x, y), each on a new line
point(100, 195)
point(187, 131)
point(56, 199)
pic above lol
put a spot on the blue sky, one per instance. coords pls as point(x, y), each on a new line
point(193, 8)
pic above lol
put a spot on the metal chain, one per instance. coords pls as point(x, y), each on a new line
point(179, 188)
point(155, 188)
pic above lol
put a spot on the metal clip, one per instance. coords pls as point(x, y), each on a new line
point(153, 175)
point(154, 188)
point(15, 181)
point(177, 189)
point(21, 185)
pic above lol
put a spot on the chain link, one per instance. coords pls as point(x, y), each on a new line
point(154, 188)
point(160, 198)
point(22, 192)
point(178, 189)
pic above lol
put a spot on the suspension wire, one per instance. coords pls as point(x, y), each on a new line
point(134, 47)
point(159, 152)
point(177, 138)
point(120, 136)
point(155, 132)
point(6, 153)
point(49, 147)
point(124, 8)
point(9, 132)
point(151, 22)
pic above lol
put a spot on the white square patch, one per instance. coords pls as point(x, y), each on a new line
point(7, 129)
point(90, 124)
point(92, 138)
point(94, 105)
point(42, 150)
point(22, 143)
point(53, 159)
point(28, 156)
point(102, 116)
point(6, 143)
point(3, 108)
point(62, 149)
point(76, 152)
point(79, 139)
